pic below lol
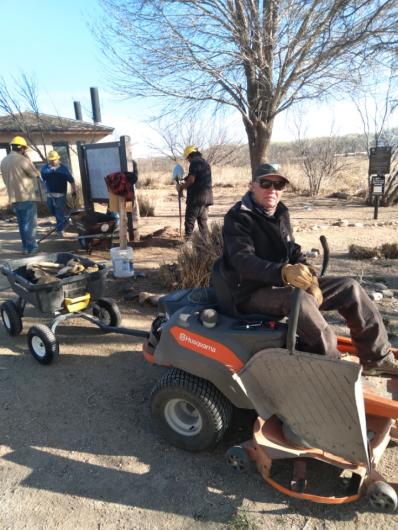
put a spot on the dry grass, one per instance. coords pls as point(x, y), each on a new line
point(352, 180)
point(194, 261)
point(388, 251)
point(146, 206)
point(358, 252)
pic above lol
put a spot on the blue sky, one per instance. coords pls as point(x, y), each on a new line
point(51, 41)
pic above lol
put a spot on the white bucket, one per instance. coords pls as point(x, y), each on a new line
point(122, 262)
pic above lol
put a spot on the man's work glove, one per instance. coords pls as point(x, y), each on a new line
point(297, 275)
point(316, 291)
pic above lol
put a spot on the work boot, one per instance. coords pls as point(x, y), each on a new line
point(387, 365)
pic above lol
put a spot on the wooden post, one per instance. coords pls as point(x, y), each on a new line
point(126, 164)
point(122, 224)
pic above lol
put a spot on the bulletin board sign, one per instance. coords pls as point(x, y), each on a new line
point(379, 160)
point(96, 161)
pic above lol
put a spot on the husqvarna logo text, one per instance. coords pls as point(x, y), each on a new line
point(206, 347)
point(185, 338)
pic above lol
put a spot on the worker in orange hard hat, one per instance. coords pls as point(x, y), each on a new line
point(21, 179)
point(198, 184)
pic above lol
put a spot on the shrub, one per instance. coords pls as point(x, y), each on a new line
point(389, 250)
point(145, 182)
point(194, 261)
point(146, 206)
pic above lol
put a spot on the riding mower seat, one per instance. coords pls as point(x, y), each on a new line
point(225, 299)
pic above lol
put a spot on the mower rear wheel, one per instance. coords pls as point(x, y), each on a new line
point(11, 318)
point(188, 411)
point(382, 497)
point(43, 344)
point(107, 312)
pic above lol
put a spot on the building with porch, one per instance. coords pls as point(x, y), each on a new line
point(43, 133)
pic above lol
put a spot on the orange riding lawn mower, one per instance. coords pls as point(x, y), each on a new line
point(317, 414)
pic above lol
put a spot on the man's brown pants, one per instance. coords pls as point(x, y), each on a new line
point(344, 295)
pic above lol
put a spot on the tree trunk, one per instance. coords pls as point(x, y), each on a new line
point(259, 138)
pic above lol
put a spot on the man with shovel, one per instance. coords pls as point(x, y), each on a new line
point(199, 191)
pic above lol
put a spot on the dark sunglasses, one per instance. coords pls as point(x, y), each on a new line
point(268, 184)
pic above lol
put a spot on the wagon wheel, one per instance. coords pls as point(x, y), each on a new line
point(107, 312)
point(43, 344)
point(11, 318)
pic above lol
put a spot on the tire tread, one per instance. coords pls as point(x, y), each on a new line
point(220, 407)
point(10, 307)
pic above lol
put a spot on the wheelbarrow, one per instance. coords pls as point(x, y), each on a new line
point(80, 295)
point(92, 228)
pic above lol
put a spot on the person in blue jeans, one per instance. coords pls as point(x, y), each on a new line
point(56, 177)
point(21, 179)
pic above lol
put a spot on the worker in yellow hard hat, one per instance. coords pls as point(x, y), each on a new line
point(198, 184)
point(21, 179)
point(56, 177)
point(19, 141)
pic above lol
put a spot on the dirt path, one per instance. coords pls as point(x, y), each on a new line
point(77, 449)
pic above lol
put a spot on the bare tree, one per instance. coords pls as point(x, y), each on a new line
point(256, 57)
point(318, 159)
point(376, 102)
point(211, 137)
point(390, 196)
point(21, 103)
point(16, 102)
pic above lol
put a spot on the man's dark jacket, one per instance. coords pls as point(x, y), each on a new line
point(200, 193)
point(256, 247)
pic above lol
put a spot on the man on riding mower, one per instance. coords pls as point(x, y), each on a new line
point(263, 264)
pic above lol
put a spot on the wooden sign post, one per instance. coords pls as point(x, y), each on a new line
point(122, 224)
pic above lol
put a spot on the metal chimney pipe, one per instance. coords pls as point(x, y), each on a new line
point(95, 105)
point(78, 110)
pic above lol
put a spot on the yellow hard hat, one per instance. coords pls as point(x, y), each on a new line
point(19, 140)
point(189, 150)
point(53, 155)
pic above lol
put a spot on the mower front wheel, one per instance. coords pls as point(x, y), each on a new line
point(237, 458)
point(382, 497)
point(43, 344)
point(189, 412)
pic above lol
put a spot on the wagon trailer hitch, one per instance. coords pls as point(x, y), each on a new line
point(95, 320)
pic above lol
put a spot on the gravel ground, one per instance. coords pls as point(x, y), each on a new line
point(77, 449)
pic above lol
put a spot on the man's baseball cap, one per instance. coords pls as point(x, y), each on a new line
point(264, 170)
